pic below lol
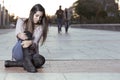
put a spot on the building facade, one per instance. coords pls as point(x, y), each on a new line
point(4, 17)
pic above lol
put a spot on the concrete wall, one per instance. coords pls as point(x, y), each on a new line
point(114, 27)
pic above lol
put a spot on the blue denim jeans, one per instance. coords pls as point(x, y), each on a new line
point(17, 52)
point(59, 23)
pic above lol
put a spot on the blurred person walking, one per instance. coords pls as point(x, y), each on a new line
point(60, 17)
point(67, 18)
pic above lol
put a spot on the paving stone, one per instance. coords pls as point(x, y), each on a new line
point(81, 54)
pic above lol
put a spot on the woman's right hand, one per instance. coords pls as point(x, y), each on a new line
point(26, 43)
point(22, 36)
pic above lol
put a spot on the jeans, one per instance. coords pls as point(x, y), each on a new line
point(59, 23)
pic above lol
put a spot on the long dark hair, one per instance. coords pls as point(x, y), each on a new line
point(29, 24)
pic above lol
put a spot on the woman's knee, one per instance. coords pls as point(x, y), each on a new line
point(38, 60)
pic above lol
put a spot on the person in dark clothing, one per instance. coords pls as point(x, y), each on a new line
point(67, 18)
point(60, 17)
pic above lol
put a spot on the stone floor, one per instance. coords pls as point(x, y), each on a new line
point(81, 54)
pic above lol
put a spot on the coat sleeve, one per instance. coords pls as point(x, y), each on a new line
point(37, 35)
point(19, 27)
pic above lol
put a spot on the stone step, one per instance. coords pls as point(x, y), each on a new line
point(72, 66)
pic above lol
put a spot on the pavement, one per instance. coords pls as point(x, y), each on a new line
point(81, 54)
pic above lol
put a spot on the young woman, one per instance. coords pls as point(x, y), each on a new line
point(37, 26)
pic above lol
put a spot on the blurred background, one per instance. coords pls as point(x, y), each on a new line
point(82, 11)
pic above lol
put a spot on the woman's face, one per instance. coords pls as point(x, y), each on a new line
point(37, 16)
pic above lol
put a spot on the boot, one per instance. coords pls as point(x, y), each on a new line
point(27, 62)
point(9, 63)
point(38, 60)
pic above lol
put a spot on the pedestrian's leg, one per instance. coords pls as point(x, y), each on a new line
point(66, 26)
point(58, 25)
point(58, 28)
point(61, 22)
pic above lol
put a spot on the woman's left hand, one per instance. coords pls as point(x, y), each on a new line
point(26, 43)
